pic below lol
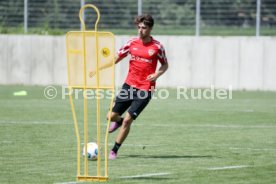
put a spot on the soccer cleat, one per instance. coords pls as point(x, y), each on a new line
point(113, 126)
point(112, 155)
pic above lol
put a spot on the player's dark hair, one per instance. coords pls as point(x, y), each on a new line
point(146, 19)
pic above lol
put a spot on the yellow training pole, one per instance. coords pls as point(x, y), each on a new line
point(109, 117)
point(76, 131)
point(98, 105)
point(73, 111)
point(81, 63)
point(97, 96)
point(85, 106)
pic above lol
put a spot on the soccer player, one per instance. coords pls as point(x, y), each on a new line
point(135, 94)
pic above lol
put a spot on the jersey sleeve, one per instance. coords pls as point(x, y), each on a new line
point(124, 50)
point(162, 55)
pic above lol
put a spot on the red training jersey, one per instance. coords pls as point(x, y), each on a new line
point(143, 61)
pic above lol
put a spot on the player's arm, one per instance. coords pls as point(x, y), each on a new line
point(107, 65)
point(163, 68)
point(110, 63)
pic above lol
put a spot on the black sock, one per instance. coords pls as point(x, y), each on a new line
point(120, 122)
point(116, 147)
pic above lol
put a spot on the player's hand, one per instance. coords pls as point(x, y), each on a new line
point(152, 77)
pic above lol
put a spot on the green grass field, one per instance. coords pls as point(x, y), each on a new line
point(173, 141)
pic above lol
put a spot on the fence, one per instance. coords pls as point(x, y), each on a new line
point(184, 17)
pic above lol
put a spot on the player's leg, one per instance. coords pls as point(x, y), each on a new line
point(123, 133)
point(137, 106)
point(116, 115)
point(140, 101)
point(124, 129)
point(116, 121)
point(122, 102)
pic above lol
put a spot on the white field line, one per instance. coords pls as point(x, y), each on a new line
point(139, 145)
point(11, 122)
point(247, 110)
point(69, 182)
point(211, 126)
point(227, 167)
point(6, 142)
point(145, 175)
point(255, 149)
point(129, 145)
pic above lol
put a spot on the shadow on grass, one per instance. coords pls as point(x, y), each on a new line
point(168, 156)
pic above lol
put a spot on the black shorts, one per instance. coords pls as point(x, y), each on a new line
point(135, 100)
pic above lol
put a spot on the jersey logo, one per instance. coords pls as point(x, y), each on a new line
point(151, 52)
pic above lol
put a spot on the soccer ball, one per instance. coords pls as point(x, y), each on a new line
point(92, 151)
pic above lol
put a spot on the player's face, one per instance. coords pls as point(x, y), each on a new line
point(143, 30)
